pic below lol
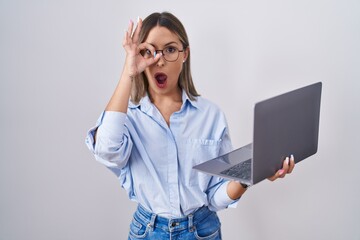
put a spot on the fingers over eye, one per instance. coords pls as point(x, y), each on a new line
point(127, 37)
point(130, 27)
point(137, 30)
point(146, 46)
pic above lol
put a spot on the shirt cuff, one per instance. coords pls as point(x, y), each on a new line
point(223, 199)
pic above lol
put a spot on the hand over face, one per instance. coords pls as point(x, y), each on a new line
point(135, 63)
point(288, 167)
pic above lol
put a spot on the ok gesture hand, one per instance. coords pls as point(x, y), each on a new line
point(135, 63)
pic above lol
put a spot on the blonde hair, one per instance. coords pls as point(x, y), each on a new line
point(168, 20)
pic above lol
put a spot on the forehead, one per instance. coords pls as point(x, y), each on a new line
point(160, 36)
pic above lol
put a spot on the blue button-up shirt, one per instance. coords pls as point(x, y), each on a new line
point(154, 161)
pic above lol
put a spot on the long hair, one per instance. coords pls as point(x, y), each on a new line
point(173, 24)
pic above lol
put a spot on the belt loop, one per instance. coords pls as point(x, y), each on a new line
point(190, 222)
point(152, 222)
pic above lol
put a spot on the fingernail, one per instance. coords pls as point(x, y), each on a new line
point(281, 171)
point(292, 157)
point(287, 160)
point(131, 21)
point(138, 19)
point(154, 54)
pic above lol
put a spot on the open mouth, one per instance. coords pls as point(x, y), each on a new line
point(160, 79)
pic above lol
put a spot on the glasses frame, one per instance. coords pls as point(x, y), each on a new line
point(164, 55)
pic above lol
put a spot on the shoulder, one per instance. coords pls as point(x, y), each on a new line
point(209, 110)
point(207, 105)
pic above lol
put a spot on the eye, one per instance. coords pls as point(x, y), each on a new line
point(146, 53)
point(170, 50)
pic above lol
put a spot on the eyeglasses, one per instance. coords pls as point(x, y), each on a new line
point(170, 54)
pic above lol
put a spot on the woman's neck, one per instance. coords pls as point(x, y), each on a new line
point(167, 104)
point(166, 99)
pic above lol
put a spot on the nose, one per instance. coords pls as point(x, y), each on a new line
point(161, 61)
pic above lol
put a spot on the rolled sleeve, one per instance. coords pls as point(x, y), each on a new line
point(113, 144)
point(90, 136)
point(218, 197)
point(113, 126)
point(217, 192)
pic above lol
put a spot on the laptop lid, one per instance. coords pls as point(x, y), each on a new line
point(284, 125)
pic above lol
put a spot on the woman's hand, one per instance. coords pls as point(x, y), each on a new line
point(135, 63)
point(235, 189)
point(288, 167)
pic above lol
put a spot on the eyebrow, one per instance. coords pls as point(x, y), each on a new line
point(167, 44)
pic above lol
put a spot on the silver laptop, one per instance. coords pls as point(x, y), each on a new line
point(283, 125)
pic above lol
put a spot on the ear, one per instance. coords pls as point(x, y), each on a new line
point(186, 54)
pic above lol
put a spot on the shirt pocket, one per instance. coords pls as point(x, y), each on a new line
point(199, 151)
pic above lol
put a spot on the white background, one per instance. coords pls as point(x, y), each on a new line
point(61, 60)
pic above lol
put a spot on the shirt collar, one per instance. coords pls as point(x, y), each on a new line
point(186, 100)
point(145, 102)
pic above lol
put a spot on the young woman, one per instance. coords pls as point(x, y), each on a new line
point(156, 127)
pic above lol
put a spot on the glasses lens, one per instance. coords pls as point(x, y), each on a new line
point(171, 54)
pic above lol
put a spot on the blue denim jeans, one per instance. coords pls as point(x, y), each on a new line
point(202, 224)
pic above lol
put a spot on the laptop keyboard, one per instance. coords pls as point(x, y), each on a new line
point(241, 170)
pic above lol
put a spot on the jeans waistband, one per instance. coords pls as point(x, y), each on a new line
point(172, 224)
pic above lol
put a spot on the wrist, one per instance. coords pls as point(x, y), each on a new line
point(128, 77)
point(235, 189)
point(129, 73)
